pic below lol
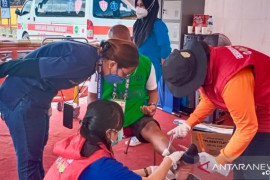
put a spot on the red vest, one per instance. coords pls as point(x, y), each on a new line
point(225, 62)
point(70, 165)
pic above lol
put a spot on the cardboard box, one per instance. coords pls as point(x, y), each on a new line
point(211, 142)
point(200, 20)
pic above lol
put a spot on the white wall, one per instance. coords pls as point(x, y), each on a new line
point(245, 22)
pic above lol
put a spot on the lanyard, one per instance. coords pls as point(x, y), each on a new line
point(126, 89)
point(99, 80)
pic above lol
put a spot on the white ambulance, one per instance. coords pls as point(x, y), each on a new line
point(90, 19)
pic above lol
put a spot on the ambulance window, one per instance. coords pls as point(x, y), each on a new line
point(26, 8)
point(60, 8)
point(43, 7)
point(116, 9)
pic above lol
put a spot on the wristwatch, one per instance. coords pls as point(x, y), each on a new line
point(150, 104)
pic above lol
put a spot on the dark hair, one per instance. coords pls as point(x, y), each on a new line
point(206, 49)
point(100, 116)
point(125, 53)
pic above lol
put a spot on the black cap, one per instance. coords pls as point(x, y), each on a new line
point(184, 71)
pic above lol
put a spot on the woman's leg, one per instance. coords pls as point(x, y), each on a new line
point(28, 128)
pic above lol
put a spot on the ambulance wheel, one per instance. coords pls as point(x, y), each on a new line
point(25, 36)
point(59, 106)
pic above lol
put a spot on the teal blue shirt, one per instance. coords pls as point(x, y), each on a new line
point(157, 46)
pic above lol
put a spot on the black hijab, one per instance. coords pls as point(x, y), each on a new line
point(143, 27)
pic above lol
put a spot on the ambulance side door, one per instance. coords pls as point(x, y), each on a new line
point(25, 18)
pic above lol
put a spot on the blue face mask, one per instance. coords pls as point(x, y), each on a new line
point(120, 137)
point(114, 78)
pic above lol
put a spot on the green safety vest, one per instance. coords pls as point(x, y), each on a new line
point(137, 93)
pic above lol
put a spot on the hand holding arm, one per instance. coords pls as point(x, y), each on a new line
point(175, 157)
point(180, 131)
point(211, 165)
point(162, 170)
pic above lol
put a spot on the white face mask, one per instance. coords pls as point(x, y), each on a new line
point(141, 12)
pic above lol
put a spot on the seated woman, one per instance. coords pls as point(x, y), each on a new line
point(88, 154)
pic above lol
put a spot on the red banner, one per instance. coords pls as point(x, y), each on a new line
point(51, 28)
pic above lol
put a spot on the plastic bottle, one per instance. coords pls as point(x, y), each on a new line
point(210, 25)
point(187, 162)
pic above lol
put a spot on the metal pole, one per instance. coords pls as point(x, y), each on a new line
point(0, 16)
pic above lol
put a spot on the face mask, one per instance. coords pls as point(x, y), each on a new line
point(114, 78)
point(119, 138)
point(141, 12)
